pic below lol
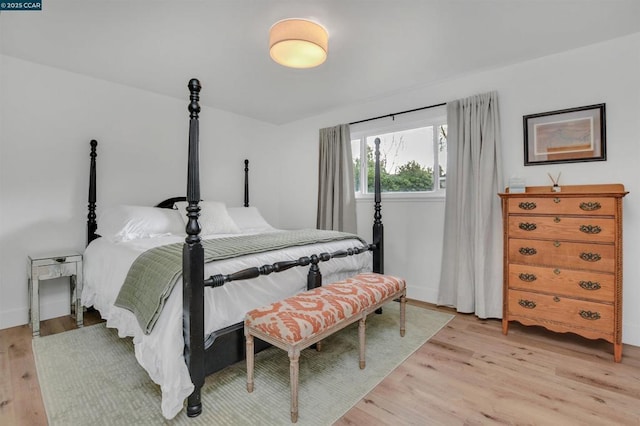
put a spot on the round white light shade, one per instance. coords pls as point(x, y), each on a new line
point(298, 43)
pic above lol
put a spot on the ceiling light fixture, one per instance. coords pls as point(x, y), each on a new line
point(298, 43)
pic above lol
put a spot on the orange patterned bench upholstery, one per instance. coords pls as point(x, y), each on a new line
point(306, 318)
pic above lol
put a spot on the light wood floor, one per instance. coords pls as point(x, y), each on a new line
point(467, 374)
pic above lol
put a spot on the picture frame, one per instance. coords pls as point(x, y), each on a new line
point(565, 136)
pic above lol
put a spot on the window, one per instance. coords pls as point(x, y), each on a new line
point(413, 155)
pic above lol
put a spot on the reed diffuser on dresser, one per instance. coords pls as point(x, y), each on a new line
point(556, 181)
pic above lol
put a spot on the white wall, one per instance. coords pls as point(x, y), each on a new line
point(49, 116)
point(606, 72)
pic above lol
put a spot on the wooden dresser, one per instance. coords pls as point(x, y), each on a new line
point(563, 260)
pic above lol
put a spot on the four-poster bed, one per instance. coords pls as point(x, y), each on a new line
point(210, 346)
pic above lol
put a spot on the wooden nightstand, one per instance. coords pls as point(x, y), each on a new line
point(48, 267)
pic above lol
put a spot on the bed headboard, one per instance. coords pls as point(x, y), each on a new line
point(92, 223)
point(169, 202)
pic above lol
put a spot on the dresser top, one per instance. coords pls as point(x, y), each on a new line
point(610, 189)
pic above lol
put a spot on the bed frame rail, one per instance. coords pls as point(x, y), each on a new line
point(314, 279)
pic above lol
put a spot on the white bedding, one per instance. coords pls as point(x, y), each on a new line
point(106, 264)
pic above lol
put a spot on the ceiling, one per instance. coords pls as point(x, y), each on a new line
point(376, 47)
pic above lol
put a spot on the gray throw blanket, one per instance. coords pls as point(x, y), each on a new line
point(155, 272)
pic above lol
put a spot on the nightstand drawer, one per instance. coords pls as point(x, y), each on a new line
point(43, 260)
point(47, 272)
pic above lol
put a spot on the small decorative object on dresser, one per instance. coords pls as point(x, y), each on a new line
point(47, 267)
point(563, 260)
point(556, 182)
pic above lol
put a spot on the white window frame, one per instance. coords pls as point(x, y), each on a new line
point(429, 117)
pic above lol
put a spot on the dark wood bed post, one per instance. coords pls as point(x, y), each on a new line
point(193, 264)
point(92, 224)
point(246, 183)
point(314, 276)
point(378, 228)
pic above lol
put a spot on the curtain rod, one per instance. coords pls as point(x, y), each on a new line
point(398, 113)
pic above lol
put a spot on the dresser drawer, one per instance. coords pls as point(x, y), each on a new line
point(583, 284)
point(558, 254)
point(589, 229)
point(599, 206)
point(572, 312)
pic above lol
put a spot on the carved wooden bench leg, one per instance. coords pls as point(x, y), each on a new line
point(294, 368)
point(403, 309)
point(361, 338)
point(250, 362)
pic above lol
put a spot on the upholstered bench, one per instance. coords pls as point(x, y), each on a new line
point(300, 321)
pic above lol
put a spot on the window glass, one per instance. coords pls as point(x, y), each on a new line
point(413, 157)
point(406, 160)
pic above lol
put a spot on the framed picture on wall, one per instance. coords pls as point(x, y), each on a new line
point(565, 136)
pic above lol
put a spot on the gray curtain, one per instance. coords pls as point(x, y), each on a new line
point(471, 274)
point(336, 196)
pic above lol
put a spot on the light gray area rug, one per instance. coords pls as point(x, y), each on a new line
point(90, 376)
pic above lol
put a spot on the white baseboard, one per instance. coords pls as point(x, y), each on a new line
point(429, 295)
point(14, 318)
point(48, 310)
point(632, 330)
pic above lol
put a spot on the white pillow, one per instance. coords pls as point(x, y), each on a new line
point(124, 223)
point(214, 218)
point(249, 219)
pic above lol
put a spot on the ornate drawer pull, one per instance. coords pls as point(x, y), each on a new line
point(589, 315)
point(590, 285)
point(590, 229)
point(529, 304)
point(556, 200)
point(590, 257)
point(527, 205)
point(527, 277)
point(556, 243)
point(525, 226)
point(556, 271)
point(527, 251)
point(557, 219)
point(556, 299)
point(590, 206)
